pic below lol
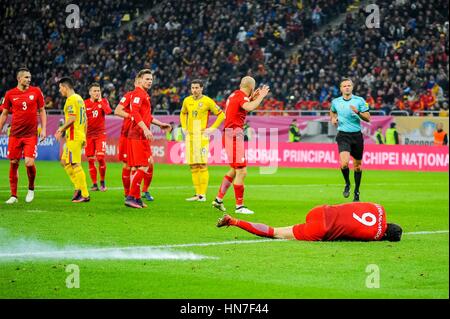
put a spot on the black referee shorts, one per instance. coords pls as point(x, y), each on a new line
point(351, 142)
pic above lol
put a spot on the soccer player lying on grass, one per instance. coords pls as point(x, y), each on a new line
point(351, 221)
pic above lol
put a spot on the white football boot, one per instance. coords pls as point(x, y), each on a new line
point(30, 196)
point(243, 210)
point(12, 200)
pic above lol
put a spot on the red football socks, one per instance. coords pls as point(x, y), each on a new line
point(31, 172)
point(148, 179)
point(102, 168)
point(126, 180)
point(92, 170)
point(261, 230)
point(239, 194)
point(226, 183)
point(135, 187)
point(13, 178)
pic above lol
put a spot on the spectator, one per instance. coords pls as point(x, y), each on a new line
point(440, 136)
point(392, 135)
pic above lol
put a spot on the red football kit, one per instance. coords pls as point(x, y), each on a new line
point(351, 221)
point(96, 132)
point(233, 137)
point(125, 101)
point(138, 149)
point(24, 106)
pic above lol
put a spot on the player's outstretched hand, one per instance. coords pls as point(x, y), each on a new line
point(334, 121)
point(43, 135)
point(166, 127)
point(255, 94)
point(58, 135)
point(264, 90)
point(148, 135)
point(207, 132)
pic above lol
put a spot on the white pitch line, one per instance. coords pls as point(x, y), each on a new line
point(64, 188)
point(137, 248)
point(427, 232)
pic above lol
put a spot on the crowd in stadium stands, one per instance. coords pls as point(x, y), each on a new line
point(402, 65)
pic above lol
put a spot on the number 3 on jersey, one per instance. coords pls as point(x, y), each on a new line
point(367, 219)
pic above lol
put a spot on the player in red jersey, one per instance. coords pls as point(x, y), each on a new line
point(123, 110)
point(139, 151)
point(350, 221)
point(96, 110)
point(238, 104)
point(24, 102)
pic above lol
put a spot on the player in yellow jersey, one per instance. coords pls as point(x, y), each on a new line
point(194, 121)
point(74, 130)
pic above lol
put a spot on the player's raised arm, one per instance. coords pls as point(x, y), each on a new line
point(362, 110)
point(252, 105)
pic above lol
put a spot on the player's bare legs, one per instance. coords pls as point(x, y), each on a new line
point(226, 183)
point(13, 178)
point(258, 229)
point(31, 172)
point(148, 180)
point(344, 159)
point(357, 175)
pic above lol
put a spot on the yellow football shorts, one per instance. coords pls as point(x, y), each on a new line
point(72, 152)
point(197, 149)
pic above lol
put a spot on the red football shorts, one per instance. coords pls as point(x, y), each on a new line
point(123, 149)
point(138, 152)
point(314, 229)
point(234, 146)
point(95, 145)
point(18, 146)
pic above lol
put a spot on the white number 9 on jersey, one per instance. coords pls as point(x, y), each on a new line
point(367, 219)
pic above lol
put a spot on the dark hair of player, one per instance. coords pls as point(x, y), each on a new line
point(22, 69)
point(143, 72)
point(93, 84)
point(67, 82)
point(393, 232)
point(345, 79)
point(197, 81)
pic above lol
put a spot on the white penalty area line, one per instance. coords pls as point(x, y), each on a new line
point(136, 249)
point(39, 189)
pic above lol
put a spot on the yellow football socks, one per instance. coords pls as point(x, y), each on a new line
point(69, 170)
point(204, 179)
point(196, 179)
point(81, 180)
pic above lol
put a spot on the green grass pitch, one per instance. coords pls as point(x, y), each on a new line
point(416, 267)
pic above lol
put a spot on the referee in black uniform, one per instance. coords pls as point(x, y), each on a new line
point(346, 112)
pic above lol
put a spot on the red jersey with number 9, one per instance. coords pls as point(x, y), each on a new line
point(355, 221)
point(24, 106)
